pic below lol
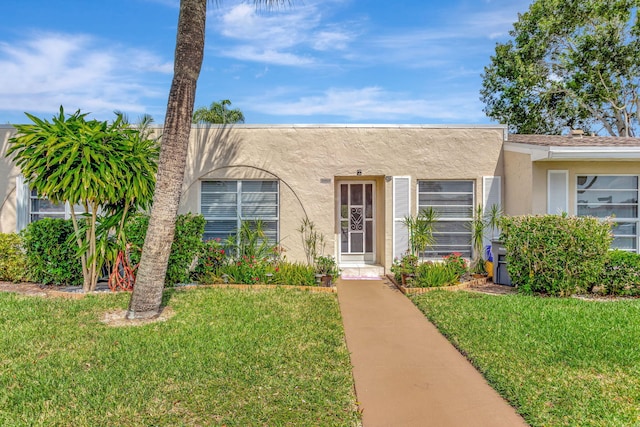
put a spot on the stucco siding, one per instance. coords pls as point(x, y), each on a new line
point(518, 173)
point(577, 168)
point(309, 161)
point(8, 173)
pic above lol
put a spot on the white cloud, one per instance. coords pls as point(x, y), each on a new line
point(279, 37)
point(372, 104)
point(277, 29)
point(308, 34)
point(332, 40)
point(53, 69)
point(268, 56)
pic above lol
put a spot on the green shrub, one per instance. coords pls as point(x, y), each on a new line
point(251, 240)
point(250, 270)
point(555, 254)
point(247, 270)
point(186, 246)
point(13, 260)
point(296, 274)
point(406, 265)
point(434, 274)
point(622, 273)
point(210, 260)
point(327, 265)
point(455, 262)
point(51, 253)
point(215, 266)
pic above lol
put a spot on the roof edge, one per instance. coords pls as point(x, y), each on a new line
point(587, 152)
point(332, 125)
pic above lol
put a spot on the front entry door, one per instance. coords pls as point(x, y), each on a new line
point(357, 222)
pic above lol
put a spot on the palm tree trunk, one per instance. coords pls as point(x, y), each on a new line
point(147, 293)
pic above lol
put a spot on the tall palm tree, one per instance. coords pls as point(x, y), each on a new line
point(218, 113)
point(147, 295)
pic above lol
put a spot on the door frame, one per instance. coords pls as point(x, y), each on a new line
point(366, 258)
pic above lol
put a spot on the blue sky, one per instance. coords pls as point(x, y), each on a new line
point(317, 61)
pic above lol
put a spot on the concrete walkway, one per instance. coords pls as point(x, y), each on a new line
point(406, 373)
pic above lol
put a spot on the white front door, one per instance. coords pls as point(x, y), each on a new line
point(356, 216)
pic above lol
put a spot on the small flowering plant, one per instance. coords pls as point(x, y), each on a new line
point(407, 265)
point(456, 263)
point(211, 259)
point(249, 269)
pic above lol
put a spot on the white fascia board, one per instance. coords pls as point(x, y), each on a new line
point(574, 153)
point(594, 153)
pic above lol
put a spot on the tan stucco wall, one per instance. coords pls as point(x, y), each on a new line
point(308, 161)
point(518, 173)
point(575, 168)
point(8, 174)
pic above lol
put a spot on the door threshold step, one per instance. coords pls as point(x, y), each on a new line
point(361, 272)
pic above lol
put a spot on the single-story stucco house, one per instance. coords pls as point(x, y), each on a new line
point(356, 183)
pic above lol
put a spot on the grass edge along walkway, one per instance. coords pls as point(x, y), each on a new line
point(406, 373)
point(559, 361)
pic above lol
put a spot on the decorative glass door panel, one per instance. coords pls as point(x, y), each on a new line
point(357, 221)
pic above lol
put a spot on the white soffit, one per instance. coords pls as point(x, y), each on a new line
point(540, 152)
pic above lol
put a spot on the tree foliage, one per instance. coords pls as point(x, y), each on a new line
point(569, 64)
point(91, 165)
point(218, 113)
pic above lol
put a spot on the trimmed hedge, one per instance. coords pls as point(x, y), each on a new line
point(554, 254)
point(186, 246)
point(622, 273)
point(13, 260)
point(51, 255)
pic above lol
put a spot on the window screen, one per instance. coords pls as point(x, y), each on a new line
point(226, 204)
point(453, 202)
point(606, 196)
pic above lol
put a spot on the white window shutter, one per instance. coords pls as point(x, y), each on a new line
point(491, 192)
point(557, 191)
point(401, 209)
point(491, 195)
point(22, 203)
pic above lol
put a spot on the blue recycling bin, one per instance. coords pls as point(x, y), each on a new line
point(488, 256)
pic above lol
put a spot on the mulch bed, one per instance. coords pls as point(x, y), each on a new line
point(492, 288)
point(24, 288)
point(482, 285)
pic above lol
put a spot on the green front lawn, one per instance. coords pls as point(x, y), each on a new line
point(226, 357)
point(558, 361)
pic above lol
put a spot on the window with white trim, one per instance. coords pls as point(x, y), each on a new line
point(225, 205)
point(616, 196)
point(453, 202)
point(41, 207)
point(31, 207)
